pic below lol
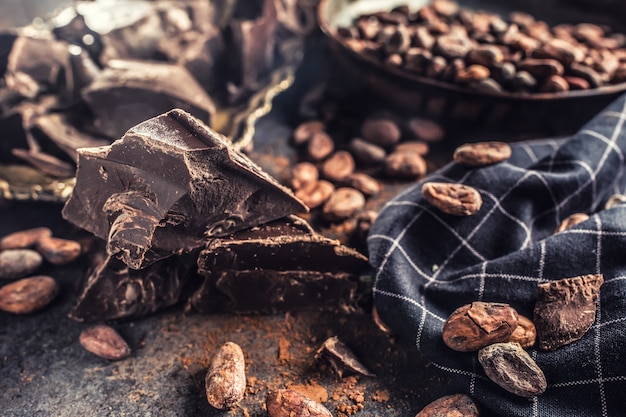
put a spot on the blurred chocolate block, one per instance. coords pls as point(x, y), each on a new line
point(38, 65)
point(56, 129)
point(113, 291)
point(278, 266)
point(166, 186)
point(128, 92)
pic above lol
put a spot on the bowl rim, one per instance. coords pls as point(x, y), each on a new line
point(404, 75)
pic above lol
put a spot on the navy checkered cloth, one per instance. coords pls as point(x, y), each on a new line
point(428, 263)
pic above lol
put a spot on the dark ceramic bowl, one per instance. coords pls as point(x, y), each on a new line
point(511, 114)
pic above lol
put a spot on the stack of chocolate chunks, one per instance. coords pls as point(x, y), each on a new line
point(171, 195)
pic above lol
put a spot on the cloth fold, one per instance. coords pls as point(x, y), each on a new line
point(428, 263)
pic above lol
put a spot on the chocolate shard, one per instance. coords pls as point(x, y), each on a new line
point(57, 129)
point(275, 267)
point(128, 92)
point(37, 65)
point(166, 186)
point(341, 358)
point(113, 291)
point(566, 309)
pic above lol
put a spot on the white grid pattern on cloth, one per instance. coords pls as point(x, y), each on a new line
point(577, 175)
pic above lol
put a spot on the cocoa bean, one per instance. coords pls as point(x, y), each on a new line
point(405, 164)
point(472, 74)
point(426, 130)
point(290, 403)
point(541, 68)
point(225, 381)
point(18, 263)
point(525, 333)
point(343, 203)
point(320, 146)
point(58, 251)
point(302, 174)
point(485, 55)
point(482, 153)
point(363, 223)
point(512, 368)
point(304, 132)
point(420, 148)
point(366, 153)
point(105, 342)
point(455, 199)
point(450, 406)
point(381, 132)
point(28, 295)
point(315, 193)
point(24, 238)
point(566, 309)
point(479, 324)
point(338, 166)
point(364, 183)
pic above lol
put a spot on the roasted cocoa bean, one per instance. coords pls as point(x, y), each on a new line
point(24, 238)
point(225, 381)
point(485, 55)
point(555, 84)
point(472, 74)
point(572, 220)
point(367, 153)
point(512, 368)
point(455, 199)
point(302, 174)
point(319, 146)
point(343, 203)
point(525, 333)
point(366, 184)
point(566, 309)
point(479, 324)
point(426, 130)
point(290, 403)
point(482, 153)
point(420, 148)
point(381, 132)
point(315, 193)
point(450, 406)
point(304, 132)
point(18, 263)
point(105, 342)
point(28, 295)
point(58, 251)
point(405, 164)
point(338, 166)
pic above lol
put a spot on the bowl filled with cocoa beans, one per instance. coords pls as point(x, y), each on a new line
point(508, 71)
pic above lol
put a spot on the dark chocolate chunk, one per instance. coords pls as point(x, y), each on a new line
point(566, 309)
point(128, 92)
point(113, 291)
point(341, 358)
point(168, 185)
point(37, 65)
point(57, 128)
point(252, 47)
point(279, 266)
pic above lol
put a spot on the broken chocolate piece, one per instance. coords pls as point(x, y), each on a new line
point(277, 267)
point(37, 65)
point(341, 358)
point(128, 92)
point(57, 128)
point(566, 309)
point(114, 291)
point(253, 45)
point(168, 185)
